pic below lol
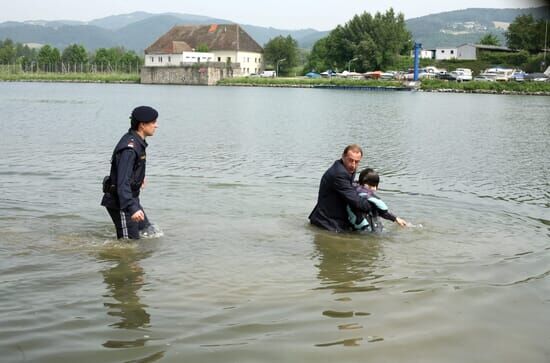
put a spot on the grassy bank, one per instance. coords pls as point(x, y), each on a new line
point(72, 77)
point(487, 87)
point(306, 82)
point(426, 85)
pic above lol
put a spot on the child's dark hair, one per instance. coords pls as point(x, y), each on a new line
point(370, 177)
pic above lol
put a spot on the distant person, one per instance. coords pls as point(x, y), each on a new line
point(121, 188)
point(336, 193)
point(368, 184)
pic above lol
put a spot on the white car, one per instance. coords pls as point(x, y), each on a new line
point(268, 74)
point(484, 78)
point(461, 74)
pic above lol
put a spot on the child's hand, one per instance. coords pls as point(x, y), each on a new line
point(401, 222)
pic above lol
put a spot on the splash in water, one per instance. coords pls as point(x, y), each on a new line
point(153, 231)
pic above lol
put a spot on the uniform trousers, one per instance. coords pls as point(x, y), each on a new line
point(125, 226)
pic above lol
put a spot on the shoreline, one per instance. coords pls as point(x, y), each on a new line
point(393, 89)
point(68, 81)
point(349, 85)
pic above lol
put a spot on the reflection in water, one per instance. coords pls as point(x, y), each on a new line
point(345, 266)
point(345, 262)
point(124, 281)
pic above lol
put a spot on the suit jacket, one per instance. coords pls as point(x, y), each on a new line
point(336, 192)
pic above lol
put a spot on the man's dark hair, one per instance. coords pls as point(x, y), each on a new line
point(134, 124)
point(370, 177)
point(352, 147)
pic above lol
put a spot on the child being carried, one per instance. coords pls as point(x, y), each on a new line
point(368, 184)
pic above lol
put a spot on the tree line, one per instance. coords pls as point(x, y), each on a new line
point(382, 41)
point(73, 58)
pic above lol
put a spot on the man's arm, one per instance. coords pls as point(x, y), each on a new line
point(125, 167)
point(343, 186)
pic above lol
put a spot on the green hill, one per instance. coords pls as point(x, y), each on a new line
point(136, 31)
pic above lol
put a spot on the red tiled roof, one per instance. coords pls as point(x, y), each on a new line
point(216, 37)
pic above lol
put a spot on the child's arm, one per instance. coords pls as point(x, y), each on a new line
point(384, 212)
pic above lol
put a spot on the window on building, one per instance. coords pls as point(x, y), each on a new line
point(442, 50)
point(219, 59)
point(228, 59)
point(152, 59)
point(160, 59)
point(169, 59)
point(452, 52)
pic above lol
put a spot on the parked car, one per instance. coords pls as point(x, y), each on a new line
point(313, 75)
point(268, 74)
point(461, 74)
point(537, 77)
point(444, 75)
point(518, 76)
point(504, 74)
point(328, 73)
point(484, 78)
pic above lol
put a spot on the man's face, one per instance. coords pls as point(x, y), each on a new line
point(351, 160)
point(149, 128)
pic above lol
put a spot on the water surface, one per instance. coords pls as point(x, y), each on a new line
point(239, 275)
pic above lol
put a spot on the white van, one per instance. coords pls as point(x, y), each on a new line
point(268, 74)
point(461, 74)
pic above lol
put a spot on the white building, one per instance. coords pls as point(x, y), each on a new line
point(445, 53)
point(227, 43)
point(425, 53)
point(177, 59)
point(472, 51)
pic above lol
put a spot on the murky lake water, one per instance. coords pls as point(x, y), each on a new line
point(240, 275)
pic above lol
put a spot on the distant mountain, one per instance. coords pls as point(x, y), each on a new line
point(138, 30)
point(119, 21)
point(90, 36)
point(134, 31)
point(454, 28)
point(141, 34)
point(263, 35)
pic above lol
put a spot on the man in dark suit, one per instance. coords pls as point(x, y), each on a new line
point(336, 193)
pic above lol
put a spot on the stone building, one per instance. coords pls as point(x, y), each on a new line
point(226, 50)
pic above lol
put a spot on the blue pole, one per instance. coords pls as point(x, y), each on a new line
point(417, 47)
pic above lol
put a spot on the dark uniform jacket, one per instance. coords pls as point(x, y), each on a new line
point(127, 173)
point(336, 192)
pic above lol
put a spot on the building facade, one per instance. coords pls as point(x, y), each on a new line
point(473, 51)
point(225, 44)
point(445, 53)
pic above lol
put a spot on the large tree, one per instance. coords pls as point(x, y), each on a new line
point(116, 58)
point(367, 42)
point(7, 52)
point(526, 33)
point(318, 60)
point(75, 54)
point(282, 52)
point(489, 39)
point(49, 57)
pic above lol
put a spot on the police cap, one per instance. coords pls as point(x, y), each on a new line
point(144, 114)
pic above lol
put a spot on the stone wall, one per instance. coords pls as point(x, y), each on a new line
point(205, 74)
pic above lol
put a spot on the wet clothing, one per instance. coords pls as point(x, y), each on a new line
point(125, 227)
point(336, 192)
point(370, 221)
point(127, 175)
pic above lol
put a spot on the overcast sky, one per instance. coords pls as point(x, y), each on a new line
point(282, 14)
